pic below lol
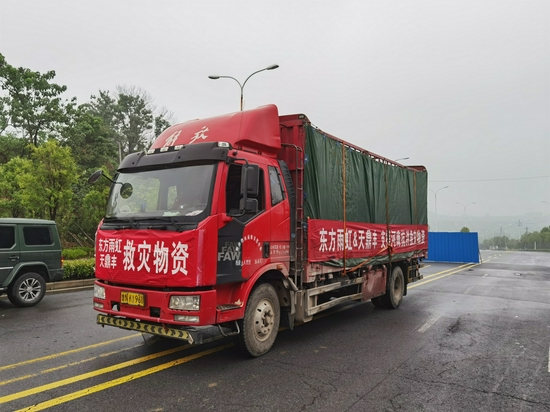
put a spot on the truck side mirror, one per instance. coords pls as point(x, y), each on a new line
point(250, 180)
point(249, 205)
point(96, 175)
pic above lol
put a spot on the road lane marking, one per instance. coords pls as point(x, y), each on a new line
point(428, 324)
point(446, 270)
point(33, 375)
point(469, 289)
point(63, 382)
point(549, 359)
point(122, 380)
point(69, 352)
point(43, 388)
point(442, 275)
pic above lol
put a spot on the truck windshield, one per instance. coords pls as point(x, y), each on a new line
point(180, 191)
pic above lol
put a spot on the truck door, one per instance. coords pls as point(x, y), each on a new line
point(279, 248)
point(243, 243)
point(9, 251)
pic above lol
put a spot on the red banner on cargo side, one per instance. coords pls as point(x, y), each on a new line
point(327, 240)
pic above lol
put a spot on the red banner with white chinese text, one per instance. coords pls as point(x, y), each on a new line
point(327, 239)
point(149, 257)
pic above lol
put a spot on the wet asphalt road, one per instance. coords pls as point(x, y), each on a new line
point(466, 338)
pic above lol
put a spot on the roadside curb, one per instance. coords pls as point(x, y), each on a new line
point(69, 284)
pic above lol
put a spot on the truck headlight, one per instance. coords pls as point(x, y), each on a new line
point(185, 302)
point(186, 318)
point(99, 292)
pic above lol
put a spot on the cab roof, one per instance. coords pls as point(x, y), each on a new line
point(255, 130)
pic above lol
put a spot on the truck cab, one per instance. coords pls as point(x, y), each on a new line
point(192, 225)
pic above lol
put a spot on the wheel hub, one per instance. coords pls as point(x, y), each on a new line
point(264, 318)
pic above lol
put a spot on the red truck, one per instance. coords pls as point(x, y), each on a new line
point(250, 221)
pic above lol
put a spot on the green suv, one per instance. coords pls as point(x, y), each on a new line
point(30, 256)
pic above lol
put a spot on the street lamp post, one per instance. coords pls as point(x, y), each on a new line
point(465, 207)
point(272, 67)
point(436, 215)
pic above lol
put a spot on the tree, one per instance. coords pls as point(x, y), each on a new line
point(47, 189)
point(33, 104)
point(131, 117)
point(12, 146)
point(11, 193)
point(89, 139)
point(465, 230)
point(163, 121)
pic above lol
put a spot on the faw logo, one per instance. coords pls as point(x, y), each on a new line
point(232, 250)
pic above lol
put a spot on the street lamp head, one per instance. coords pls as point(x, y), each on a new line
point(214, 77)
point(272, 67)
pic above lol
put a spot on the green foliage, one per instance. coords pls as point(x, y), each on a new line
point(33, 104)
point(536, 240)
point(529, 241)
point(465, 230)
point(79, 269)
point(48, 186)
point(12, 146)
point(78, 253)
point(95, 202)
point(161, 123)
point(89, 139)
point(11, 193)
point(49, 147)
point(128, 115)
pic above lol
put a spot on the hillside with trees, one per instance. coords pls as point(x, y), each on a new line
point(50, 145)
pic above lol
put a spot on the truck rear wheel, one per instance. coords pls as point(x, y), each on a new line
point(27, 290)
point(261, 320)
point(395, 289)
point(377, 302)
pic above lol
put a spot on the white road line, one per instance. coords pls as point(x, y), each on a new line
point(549, 359)
point(428, 324)
point(469, 289)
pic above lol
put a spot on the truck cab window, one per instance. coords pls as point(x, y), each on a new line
point(277, 194)
point(233, 191)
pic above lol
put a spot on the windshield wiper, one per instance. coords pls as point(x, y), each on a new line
point(131, 220)
point(178, 225)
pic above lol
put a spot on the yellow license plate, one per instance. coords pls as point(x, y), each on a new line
point(131, 298)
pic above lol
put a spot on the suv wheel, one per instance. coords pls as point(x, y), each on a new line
point(27, 290)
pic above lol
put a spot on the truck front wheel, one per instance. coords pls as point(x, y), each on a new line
point(261, 320)
point(27, 290)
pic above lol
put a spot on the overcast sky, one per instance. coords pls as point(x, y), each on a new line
point(461, 86)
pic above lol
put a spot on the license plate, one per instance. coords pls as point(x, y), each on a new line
point(131, 298)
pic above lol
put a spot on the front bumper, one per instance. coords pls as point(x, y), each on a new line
point(146, 327)
point(155, 309)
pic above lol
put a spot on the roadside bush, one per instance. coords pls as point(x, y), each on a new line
point(78, 253)
point(79, 269)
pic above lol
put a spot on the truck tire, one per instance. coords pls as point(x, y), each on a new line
point(395, 289)
point(377, 302)
point(27, 290)
point(261, 321)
